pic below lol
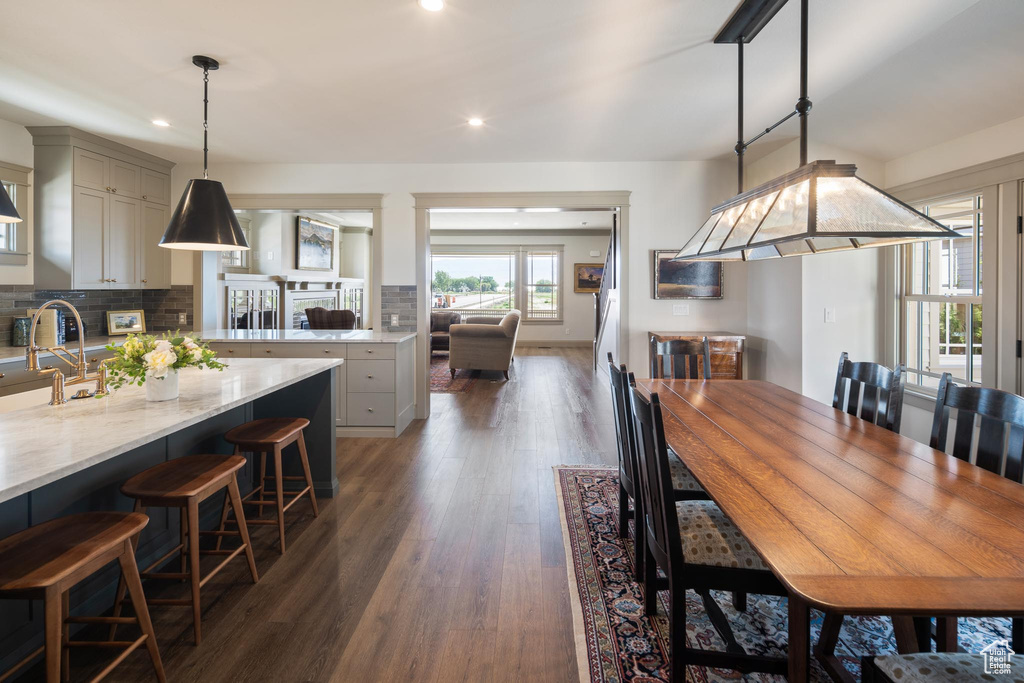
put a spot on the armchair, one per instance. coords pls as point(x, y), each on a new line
point(440, 323)
point(484, 343)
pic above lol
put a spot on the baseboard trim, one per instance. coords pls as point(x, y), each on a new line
point(562, 343)
point(365, 432)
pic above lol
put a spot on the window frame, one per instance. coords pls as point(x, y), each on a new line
point(520, 255)
point(18, 176)
point(245, 263)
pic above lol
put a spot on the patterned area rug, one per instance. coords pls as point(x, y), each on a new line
point(441, 380)
point(615, 641)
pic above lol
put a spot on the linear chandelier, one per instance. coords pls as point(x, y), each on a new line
point(822, 206)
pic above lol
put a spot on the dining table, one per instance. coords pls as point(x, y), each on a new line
point(853, 519)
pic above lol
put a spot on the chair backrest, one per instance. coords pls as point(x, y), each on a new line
point(624, 429)
point(659, 511)
point(441, 321)
point(677, 359)
point(1000, 412)
point(883, 392)
point(323, 319)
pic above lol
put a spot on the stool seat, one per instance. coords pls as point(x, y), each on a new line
point(183, 477)
point(266, 431)
point(45, 554)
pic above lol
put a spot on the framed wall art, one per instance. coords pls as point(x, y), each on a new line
point(686, 279)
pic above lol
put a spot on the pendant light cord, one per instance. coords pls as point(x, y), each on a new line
point(803, 105)
point(206, 125)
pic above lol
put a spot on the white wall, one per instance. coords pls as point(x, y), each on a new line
point(16, 148)
point(669, 201)
point(578, 309)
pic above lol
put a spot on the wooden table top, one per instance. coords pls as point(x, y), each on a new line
point(850, 516)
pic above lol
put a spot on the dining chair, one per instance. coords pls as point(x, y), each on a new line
point(321, 318)
point(680, 359)
point(697, 547)
point(684, 484)
point(882, 403)
point(997, 418)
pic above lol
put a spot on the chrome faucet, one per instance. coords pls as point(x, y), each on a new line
point(77, 362)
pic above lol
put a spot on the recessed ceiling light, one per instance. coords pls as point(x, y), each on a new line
point(475, 121)
point(161, 123)
point(432, 5)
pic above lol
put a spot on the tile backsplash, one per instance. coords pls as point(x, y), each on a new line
point(162, 306)
point(399, 300)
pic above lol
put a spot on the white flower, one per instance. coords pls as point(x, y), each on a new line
point(164, 345)
point(190, 344)
point(197, 354)
point(159, 361)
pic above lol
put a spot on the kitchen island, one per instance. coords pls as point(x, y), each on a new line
point(59, 460)
point(376, 387)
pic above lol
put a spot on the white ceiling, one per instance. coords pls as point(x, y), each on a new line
point(521, 220)
point(384, 81)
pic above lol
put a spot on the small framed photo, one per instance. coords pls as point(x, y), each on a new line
point(126, 322)
point(587, 277)
point(686, 279)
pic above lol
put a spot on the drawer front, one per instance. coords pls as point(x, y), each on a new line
point(371, 351)
point(228, 350)
point(297, 350)
point(371, 376)
point(371, 410)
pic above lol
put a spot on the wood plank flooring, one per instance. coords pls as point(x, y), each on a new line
point(440, 560)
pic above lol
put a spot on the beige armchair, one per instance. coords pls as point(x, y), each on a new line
point(483, 343)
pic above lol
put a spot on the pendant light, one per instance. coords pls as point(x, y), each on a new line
point(204, 219)
point(821, 206)
point(8, 212)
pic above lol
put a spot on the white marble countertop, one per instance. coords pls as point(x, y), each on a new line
point(351, 336)
point(43, 443)
point(13, 354)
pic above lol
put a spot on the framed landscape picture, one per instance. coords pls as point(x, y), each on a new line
point(314, 245)
point(686, 279)
point(125, 322)
point(587, 277)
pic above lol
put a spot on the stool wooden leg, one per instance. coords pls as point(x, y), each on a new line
point(183, 538)
point(279, 490)
point(130, 573)
point(223, 519)
point(119, 596)
point(65, 654)
point(54, 626)
point(193, 561)
point(309, 476)
point(243, 530)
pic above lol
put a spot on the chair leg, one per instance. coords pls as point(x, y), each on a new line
point(677, 632)
point(1017, 627)
point(650, 584)
point(640, 553)
point(193, 562)
point(946, 634)
point(119, 596)
point(739, 601)
point(279, 492)
point(65, 654)
point(452, 370)
point(309, 477)
point(623, 512)
point(243, 529)
point(130, 572)
point(54, 627)
point(183, 539)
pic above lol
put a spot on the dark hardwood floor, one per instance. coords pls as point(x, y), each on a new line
point(440, 560)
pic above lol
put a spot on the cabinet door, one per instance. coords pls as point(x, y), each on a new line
point(156, 187)
point(156, 261)
point(122, 237)
point(125, 179)
point(90, 219)
point(91, 170)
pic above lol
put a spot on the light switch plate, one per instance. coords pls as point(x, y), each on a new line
point(394, 320)
point(680, 309)
point(270, 256)
point(830, 314)
point(595, 252)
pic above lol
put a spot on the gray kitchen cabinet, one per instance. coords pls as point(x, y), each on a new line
point(101, 209)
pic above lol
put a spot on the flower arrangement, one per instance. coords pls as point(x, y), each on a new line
point(143, 357)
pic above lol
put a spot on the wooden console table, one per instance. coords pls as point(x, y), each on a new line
point(726, 350)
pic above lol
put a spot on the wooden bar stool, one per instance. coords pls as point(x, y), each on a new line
point(272, 435)
point(184, 483)
point(46, 560)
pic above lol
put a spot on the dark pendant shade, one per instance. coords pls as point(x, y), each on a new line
point(8, 212)
point(204, 220)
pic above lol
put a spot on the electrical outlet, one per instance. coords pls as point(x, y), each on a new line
point(680, 309)
point(568, 331)
point(830, 314)
point(270, 256)
point(182, 319)
point(394, 320)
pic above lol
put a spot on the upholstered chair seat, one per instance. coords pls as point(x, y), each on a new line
point(711, 539)
point(938, 667)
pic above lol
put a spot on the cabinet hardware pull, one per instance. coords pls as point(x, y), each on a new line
point(2, 375)
point(145, 281)
point(231, 350)
point(268, 350)
point(369, 350)
point(114, 280)
point(108, 189)
point(369, 377)
point(327, 350)
point(93, 360)
point(114, 190)
point(369, 410)
point(48, 367)
point(144, 196)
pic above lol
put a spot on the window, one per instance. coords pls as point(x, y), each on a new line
point(238, 261)
point(8, 232)
point(942, 296)
point(489, 281)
